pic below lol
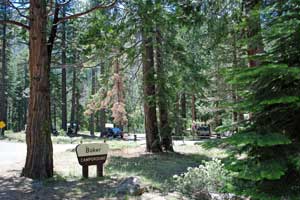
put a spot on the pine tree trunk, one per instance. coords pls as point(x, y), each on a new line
point(255, 45)
point(63, 76)
point(151, 128)
point(193, 107)
point(102, 114)
point(73, 101)
point(39, 159)
point(77, 108)
point(53, 103)
point(97, 114)
point(3, 82)
point(254, 37)
point(25, 100)
point(9, 116)
point(177, 118)
point(183, 111)
point(234, 113)
point(164, 126)
point(235, 64)
point(102, 120)
point(92, 117)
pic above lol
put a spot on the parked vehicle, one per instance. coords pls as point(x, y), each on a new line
point(55, 132)
point(111, 131)
point(203, 131)
point(72, 129)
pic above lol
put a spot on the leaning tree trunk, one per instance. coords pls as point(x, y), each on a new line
point(3, 83)
point(164, 126)
point(151, 129)
point(39, 160)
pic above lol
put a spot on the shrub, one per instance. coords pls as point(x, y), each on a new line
point(211, 176)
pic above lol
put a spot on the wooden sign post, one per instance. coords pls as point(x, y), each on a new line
point(92, 154)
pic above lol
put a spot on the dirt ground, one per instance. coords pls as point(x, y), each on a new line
point(68, 184)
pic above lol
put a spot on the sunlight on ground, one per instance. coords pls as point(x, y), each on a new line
point(125, 159)
point(154, 169)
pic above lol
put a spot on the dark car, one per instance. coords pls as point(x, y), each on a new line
point(72, 129)
point(55, 132)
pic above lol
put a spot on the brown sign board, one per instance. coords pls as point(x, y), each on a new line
point(92, 154)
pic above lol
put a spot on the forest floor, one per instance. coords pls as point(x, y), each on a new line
point(126, 159)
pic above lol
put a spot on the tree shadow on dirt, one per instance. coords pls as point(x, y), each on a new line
point(157, 168)
point(21, 188)
point(12, 188)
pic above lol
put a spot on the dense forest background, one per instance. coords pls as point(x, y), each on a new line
point(157, 66)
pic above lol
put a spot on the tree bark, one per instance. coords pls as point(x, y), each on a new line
point(77, 108)
point(234, 113)
point(254, 37)
point(255, 45)
point(193, 108)
point(151, 128)
point(39, 159)
point(3, 83)
point(54, 115)
point(177, 113)
point(73, 101)
point(92, 117)
point(164, 126)
point(25, 100)
point(63, 76)
point(102, 114)
point(235, 64)
point(97, 113)
point(183, 111)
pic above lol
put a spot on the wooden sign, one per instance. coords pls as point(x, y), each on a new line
point(92, 154)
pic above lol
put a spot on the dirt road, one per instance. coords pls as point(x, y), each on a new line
point(13, 154)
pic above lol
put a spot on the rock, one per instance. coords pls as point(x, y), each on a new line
point(176, 195)
point(160, 196)
point(218, 196)
point(203, 195)
point(131, 186)
point(152, 196)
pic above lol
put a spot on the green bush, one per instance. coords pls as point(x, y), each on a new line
point(211, 176)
